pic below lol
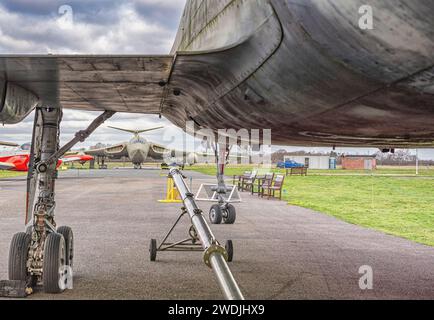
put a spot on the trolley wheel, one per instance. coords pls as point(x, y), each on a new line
point(215, 214)
point(229, 246)
point(231, 215)
point(153, 250)
point(54, 263)
point(18, 253)
point(68, 235)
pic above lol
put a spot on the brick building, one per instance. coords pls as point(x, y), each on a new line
point(356, 162)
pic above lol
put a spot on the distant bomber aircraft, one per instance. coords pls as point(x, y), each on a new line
point(138, 149)
point(309, 70)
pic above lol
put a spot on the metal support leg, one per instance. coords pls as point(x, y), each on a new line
point(215, 256)
point(42, 183)
point(221, 156)
point(44, 157)
point(223, 211)
point(192, 243)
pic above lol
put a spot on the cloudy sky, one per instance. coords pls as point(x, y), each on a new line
point(96, 27)
point(91, 27)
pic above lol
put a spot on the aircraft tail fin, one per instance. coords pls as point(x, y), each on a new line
point(136, 131)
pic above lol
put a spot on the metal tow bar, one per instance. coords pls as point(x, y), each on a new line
point(215, 255)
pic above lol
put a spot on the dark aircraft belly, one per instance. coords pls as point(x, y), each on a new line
point(309, 73)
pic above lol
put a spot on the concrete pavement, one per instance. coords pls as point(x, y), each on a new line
point(281, 251)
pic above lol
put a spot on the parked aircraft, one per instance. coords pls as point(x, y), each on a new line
point(18, 160)
point(138, 149)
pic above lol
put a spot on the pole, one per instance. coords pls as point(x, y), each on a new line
point(417, 162)
point(214, 254)
point(81, 136)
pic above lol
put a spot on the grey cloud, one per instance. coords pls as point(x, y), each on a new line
point(143, 27)
point(108, 26)
point(168, 11)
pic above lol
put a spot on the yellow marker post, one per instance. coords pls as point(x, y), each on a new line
point(172, 195)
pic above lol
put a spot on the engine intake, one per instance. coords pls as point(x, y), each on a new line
point(16, 103)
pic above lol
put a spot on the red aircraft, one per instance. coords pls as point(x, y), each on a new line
point(20, 162)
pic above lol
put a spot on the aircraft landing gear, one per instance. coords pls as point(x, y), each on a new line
point(231, 214)
point(223, 211)
point(18, 251)
point(44, 253)
point(101, 163)
point(53, 264)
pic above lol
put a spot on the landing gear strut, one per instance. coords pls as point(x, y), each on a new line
point(44, 253)
point(222, 211)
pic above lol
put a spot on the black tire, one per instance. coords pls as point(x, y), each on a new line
point(230, 250)
point(231, 214)
point(54, 260)
point(68, 235)
point(18, 254)
point(153, 250)
point(215, 214)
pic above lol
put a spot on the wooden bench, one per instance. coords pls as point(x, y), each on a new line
point(238, 180)
point(249, 183)
point(296, 171)
point(277, 185)
point(264, 182)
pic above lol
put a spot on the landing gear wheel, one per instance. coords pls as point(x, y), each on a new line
point(230, 250)
point(18, 253)
point(68, 235)
point(153, 250)
point(215, 214)
point(231, 215)
point(54, 263)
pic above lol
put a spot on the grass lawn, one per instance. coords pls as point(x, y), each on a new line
point(10, 174)
point(392, 200)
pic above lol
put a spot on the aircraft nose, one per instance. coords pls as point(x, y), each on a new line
point(138, 153)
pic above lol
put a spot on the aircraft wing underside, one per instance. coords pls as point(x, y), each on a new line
point(6, 166)
point(116, 151)
point(117, 83)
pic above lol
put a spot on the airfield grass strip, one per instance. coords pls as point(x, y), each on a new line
point(391, 200)
point(11, 174)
